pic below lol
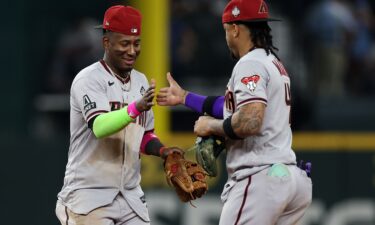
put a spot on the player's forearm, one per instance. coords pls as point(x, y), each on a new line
point(211, 105)
point(109, 123)
point(248, 120)
point(216, 127)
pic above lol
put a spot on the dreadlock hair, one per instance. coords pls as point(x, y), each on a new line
point(260, 34)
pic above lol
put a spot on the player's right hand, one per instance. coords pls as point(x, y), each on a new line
point(172, 95)
point(145, 103)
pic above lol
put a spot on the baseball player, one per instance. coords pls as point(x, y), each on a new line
point(264, 184)
point(110, 125)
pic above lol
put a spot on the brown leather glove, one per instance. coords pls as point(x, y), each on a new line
point(187, 177)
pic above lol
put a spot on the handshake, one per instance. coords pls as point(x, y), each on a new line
point(167, 96)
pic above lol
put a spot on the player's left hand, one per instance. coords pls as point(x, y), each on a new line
point(202, 127)
point(187, 177)
point(146, 102)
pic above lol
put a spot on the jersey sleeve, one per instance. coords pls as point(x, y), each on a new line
point(90, 97)
point(250, 83)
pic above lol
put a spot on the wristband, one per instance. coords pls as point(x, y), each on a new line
point(228, 129)
point(208, 104)
point(133, 111)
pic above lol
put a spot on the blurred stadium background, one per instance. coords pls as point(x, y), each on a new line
point(328, 46)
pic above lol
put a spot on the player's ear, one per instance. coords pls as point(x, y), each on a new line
point(236, 30)
point(105, 41)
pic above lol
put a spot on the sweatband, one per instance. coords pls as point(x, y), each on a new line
point(133, 111)
point(109, 123)
point(217, 108)
point(213, 105)
point(208, 104)
point(153, 147)
point(195, 101)
point(228, 129)
point(147, 137)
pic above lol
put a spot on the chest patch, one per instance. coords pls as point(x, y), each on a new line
point(251, 82)
point(142, 91)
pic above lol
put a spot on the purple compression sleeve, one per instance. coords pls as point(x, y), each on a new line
point(195, 102)
point(217, 110)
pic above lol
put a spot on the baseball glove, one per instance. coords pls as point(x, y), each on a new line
point(207, 149)
point(187, 177)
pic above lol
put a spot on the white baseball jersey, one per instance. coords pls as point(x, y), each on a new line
point(98, 169)
point(258, 77)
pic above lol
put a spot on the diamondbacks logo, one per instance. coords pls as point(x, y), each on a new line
point(263, 8)
point(88, 104)
point(251, 82)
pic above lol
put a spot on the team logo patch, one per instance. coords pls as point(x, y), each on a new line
point(251, 82)
point(142, 91)
point(134, 30)
point(263, 8)
point(235, 11)
point(88, 104)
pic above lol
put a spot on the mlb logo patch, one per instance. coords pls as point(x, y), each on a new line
point(134, 30)
point(236, 12)
point(251, 82)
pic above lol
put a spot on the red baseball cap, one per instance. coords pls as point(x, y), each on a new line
point(122, 19)
point(247, 11)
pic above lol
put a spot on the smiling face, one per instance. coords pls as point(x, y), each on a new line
point(121, 51)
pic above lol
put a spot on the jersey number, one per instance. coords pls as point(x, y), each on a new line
point(288, 98)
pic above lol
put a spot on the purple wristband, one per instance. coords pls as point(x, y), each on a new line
point(218, 108)
point(195, 102)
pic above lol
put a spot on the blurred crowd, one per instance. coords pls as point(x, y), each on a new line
point(330, 50)
point(340, 46)
point(328, 47)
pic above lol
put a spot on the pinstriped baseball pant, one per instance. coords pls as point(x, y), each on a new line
point(262, 199)
point(117, 213)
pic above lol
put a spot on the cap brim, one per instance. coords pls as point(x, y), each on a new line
point(98, 27)
point(263, 20)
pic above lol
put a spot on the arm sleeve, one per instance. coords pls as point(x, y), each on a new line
point(250, 83)
point(213, 105)
point(109, 123)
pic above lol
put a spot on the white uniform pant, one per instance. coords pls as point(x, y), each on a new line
point(117, 213)
point(262, 199)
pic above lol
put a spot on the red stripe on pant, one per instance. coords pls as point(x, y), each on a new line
point(243, 200)
point(67, 216)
